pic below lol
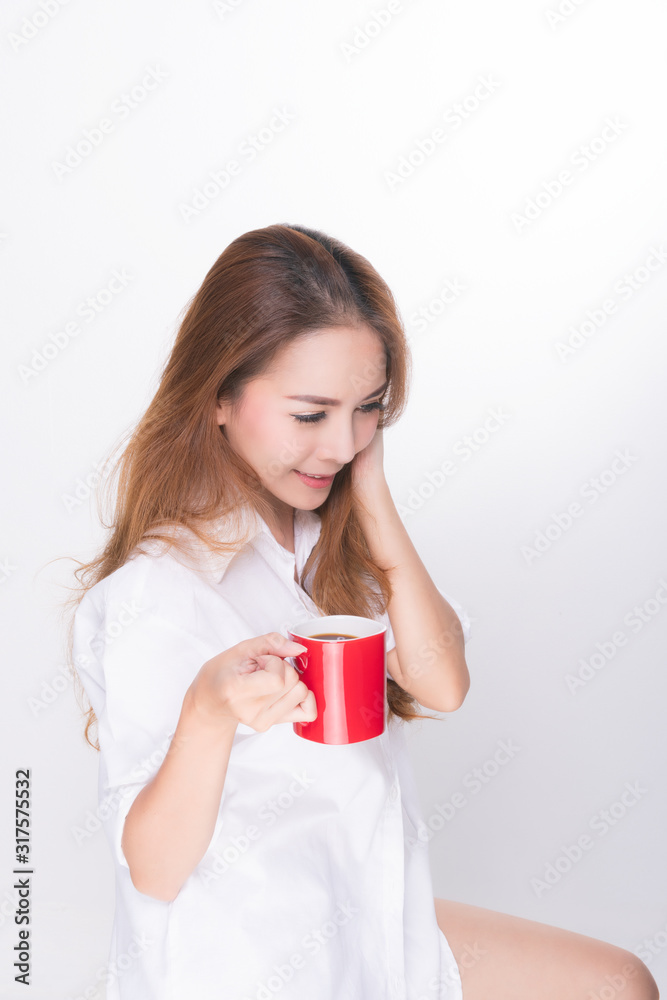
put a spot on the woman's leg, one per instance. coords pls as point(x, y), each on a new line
point(501, 957)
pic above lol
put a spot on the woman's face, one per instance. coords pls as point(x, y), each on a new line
point(279, 436)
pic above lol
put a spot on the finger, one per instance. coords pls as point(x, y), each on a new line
point(305, 711)
point(281, 668)
point(274, 688)
point(296, 697)
point(272, 643)
point(257, 654)
point(308, 706)
point(262, 683)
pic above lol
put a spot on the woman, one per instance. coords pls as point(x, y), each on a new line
point(250, 862)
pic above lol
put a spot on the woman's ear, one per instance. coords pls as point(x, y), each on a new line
point(221, 412)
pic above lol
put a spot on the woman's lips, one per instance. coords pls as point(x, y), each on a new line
point(315, 483)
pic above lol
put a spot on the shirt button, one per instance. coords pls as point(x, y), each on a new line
point(393, 794)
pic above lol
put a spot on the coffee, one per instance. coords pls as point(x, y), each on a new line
point(333, 636)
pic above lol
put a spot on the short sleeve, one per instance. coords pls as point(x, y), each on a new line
point(462, 616)
point(135, 667)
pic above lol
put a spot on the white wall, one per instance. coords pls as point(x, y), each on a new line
point(218, 72)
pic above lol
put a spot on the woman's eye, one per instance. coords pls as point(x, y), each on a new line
point(311, 418)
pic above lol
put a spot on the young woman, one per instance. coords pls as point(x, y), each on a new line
point(251, 863)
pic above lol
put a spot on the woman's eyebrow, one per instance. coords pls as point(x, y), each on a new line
point(324, 401)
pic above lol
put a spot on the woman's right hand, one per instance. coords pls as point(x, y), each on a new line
point(252, 683)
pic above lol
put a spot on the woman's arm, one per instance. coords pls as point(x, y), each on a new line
point(429, 659)
point(170, 824)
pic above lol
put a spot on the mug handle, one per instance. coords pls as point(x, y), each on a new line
point(292, 660)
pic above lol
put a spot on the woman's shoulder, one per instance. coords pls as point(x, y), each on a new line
point(153, 578)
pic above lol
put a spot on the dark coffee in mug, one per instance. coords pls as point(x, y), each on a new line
point(333, 636)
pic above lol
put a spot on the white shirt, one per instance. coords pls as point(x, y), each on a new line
point(315, 883)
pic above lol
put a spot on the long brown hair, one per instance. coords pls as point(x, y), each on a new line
point(267, 288)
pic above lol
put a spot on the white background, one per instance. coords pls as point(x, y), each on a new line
point(361, 97)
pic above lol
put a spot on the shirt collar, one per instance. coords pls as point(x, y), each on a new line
point(307, 527)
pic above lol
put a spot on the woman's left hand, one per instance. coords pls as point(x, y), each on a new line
point(367, 468)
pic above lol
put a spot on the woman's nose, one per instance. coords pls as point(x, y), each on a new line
point(337, 443)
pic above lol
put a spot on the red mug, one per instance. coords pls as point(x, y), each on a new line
point(348, 677)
